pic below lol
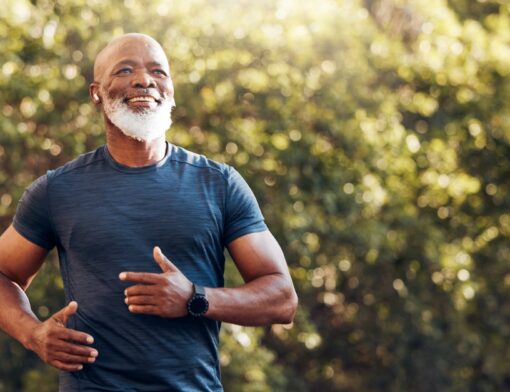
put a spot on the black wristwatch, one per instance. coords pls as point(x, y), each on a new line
point(198, 303)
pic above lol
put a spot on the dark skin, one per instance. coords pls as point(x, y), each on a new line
point(57, 345)
point(132, 65)
point(135, 65)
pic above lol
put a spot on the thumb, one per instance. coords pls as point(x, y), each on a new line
point(165, 264)
point(62, 316)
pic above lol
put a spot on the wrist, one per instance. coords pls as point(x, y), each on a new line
point(208, 295)
point(198, 304)
point(27, 338)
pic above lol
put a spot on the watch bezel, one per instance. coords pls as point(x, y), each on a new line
point(199, 299)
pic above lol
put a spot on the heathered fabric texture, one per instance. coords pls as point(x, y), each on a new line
point(106, 218)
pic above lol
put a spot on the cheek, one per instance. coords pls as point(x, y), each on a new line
point(167, 89)
point(116, 89)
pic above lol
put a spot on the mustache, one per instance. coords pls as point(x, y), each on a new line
point(139, 92)
point(113, 100)
point(144, 92)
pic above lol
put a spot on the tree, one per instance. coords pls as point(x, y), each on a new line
point(374, 134)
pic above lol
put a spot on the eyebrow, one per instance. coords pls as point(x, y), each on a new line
point(131, 62)
point(156, 64)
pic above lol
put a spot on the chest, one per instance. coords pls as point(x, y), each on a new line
point(132, 216)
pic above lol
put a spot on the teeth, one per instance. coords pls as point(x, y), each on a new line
point(141, 99)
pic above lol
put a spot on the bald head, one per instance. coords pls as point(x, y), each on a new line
point(118, 46)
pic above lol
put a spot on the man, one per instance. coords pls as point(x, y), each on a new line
point(140, 226)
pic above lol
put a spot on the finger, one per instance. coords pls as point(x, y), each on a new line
point(146, 309)
point(164, 263)
point(62, 316)
point(66, 367)
point(140, 300)
point(74, 349)
point(74, 336)
point(141, 277)
point(73, 359)
point(140, 289)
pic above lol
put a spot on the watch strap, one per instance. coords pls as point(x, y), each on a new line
point(198, 289)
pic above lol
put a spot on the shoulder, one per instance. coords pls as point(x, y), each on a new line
point(200, 162)
point(39, 184)
point(80, 162)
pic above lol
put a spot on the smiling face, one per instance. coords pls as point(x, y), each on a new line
point(132, 81)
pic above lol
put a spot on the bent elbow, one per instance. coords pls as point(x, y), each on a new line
point(294, 301)
point(22, 284)
point(291, 304)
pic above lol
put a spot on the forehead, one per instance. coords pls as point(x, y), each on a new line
point(138, 50)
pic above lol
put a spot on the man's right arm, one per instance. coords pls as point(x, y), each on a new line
point(63, 348)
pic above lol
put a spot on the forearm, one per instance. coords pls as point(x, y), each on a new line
point(16, 316)
point(270, 299)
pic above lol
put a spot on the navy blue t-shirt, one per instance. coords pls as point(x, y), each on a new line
point(105, 218)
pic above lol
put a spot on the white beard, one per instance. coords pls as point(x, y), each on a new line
point(143, 126)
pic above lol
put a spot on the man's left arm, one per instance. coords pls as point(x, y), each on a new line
point(267, 297)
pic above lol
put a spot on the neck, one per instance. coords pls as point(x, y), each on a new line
point(133, 153)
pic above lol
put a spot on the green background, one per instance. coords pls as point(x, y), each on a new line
point(375, 135)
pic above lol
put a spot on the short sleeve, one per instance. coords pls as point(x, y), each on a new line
point(242, 212)
point(32, 219)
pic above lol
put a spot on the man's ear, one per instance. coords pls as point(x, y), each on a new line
point(94, 93)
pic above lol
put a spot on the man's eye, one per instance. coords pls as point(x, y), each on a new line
point(124, 71)
point(159, 72)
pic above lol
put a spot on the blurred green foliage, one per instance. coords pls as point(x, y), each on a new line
point(375, 135)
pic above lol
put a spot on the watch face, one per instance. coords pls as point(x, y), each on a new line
point(198, 305)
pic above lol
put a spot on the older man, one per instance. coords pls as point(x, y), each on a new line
point(135, 320)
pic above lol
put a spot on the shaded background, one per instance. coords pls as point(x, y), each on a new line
point(375, 135)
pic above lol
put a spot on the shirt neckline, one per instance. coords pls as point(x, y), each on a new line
point(134, 170)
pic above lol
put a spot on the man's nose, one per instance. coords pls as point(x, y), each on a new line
point(142, 79)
